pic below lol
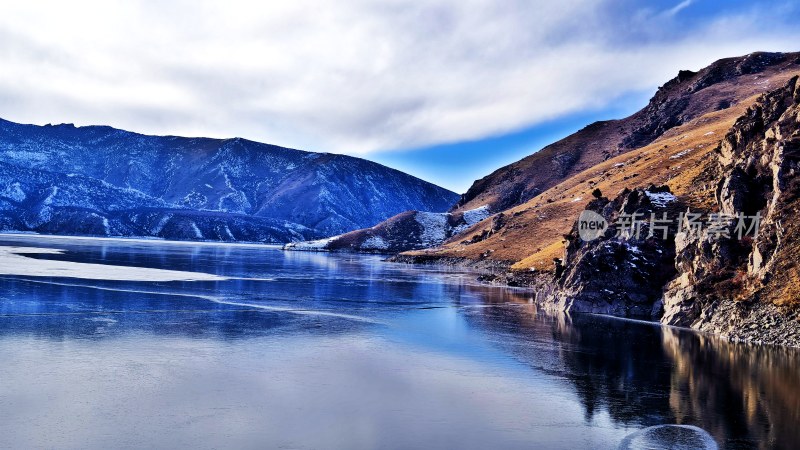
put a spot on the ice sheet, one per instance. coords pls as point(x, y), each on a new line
point(14, 262)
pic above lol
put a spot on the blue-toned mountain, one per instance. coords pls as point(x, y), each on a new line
point(99, 180)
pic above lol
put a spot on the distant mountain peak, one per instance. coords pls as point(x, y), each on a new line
point(129, 184)
point(687, 96)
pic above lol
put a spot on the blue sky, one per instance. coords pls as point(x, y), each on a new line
point(447, 90)
point(478, 158)
point(456, 165)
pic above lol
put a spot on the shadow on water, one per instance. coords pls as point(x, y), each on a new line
point(635, 374)
point(745, 396)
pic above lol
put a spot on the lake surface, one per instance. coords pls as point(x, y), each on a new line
point(310, 350)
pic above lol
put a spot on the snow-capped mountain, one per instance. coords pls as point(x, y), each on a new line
point(99, 180)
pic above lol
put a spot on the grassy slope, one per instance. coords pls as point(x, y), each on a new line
point(532, 234)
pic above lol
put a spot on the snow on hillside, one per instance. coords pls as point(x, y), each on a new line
point(64, 179)
point(661, 199)
point(375, 243)
point(434, 227)
point(474, 216)
point(407, 231)
point(313, 246)
point(471, 217)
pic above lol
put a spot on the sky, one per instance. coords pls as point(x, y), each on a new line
point(447, 90)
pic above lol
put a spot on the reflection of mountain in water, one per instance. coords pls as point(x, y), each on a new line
point(619, 367)
point(614, 365)
point(643, 375)
point(758, 387)
point(639, 374)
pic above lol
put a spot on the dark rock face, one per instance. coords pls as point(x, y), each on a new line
point(622, 271)
point(102, 181)
point(745, 288)
point(737, 278)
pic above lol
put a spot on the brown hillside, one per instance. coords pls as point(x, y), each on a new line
point(530, 235)
point(683, 99)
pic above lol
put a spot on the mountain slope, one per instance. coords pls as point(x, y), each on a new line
point(736, 274)
point(529, 235)
point(535, 201)
point(191, 183)
point(682, 99)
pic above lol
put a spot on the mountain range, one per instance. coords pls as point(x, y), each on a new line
point(721, 143)
point(532, 203)
point(101, 181)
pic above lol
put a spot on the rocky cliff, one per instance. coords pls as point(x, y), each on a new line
point(620, 272)
point(746, 288)
point(734, 273)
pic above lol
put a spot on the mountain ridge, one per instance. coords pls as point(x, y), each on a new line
point(533, 202)
point(676, 102)
point(307, 195)
point(737, 162)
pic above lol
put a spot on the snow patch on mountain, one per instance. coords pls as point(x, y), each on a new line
point(14, 192)
point(681, 154)
point(661, 199)
point(434, 227)
point(375, 243)
point(229, 234)
point(315, 245)
point(197, 233)
point(161, 224)
point(471, 217)
point(474, 216)
point(49, 200)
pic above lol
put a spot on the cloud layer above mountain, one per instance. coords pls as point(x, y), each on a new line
point(356, 76)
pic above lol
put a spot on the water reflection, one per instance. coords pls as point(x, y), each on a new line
point(419, 356)
point(756, 389)
point(745, 396)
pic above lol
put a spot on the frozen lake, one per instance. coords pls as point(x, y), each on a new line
point(125, 344)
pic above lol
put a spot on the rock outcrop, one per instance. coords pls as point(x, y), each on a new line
point(621, 271)
point(734, 273)
point(743, 285)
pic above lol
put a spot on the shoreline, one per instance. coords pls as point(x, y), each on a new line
point(750, 322)
point(735, 322)
point(139, 240)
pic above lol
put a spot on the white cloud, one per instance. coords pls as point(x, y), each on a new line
point(678, 8)
point(349, 76)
